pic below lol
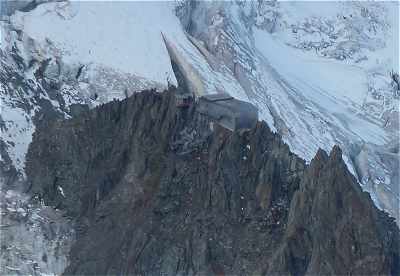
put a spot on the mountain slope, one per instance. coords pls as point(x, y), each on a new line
point(320, 73)
point(318, 78)
point(163, 193)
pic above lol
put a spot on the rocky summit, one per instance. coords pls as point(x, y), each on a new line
point(154, 189)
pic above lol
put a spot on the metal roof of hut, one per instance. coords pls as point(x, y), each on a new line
point(227, 111)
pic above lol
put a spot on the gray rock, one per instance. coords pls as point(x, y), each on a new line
point(153, 190)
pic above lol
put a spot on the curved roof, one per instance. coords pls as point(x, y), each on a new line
point(217, 97)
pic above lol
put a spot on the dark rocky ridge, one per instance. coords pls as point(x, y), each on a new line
point(155, 191)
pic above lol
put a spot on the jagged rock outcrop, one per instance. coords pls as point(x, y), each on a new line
point(153, 189)
point(334, 228)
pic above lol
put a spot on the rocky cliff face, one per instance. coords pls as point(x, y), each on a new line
point(156, 189)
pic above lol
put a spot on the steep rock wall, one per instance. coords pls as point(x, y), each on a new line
point(153, 189)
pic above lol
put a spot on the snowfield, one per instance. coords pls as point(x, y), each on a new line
point(88, 32)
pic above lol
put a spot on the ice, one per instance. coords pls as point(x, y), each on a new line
point(334, 87)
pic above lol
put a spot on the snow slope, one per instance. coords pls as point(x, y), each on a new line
point(87, 32)
point(334, 88)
